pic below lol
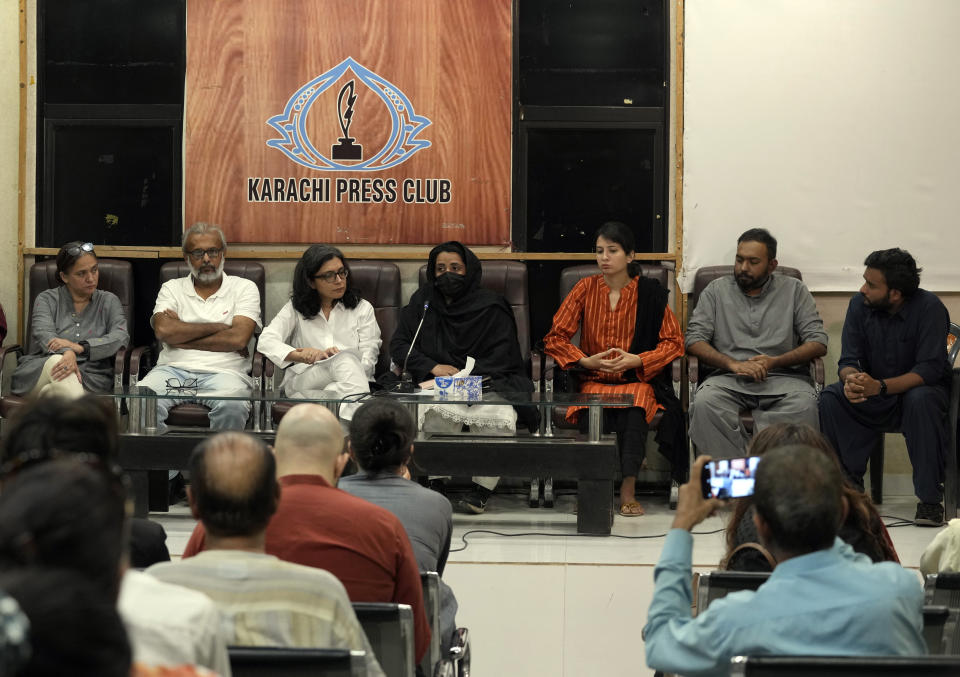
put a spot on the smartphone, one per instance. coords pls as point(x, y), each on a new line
point(729, 477)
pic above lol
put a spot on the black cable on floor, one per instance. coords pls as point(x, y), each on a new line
point(463, 536)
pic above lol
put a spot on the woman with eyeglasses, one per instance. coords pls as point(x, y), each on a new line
point(77, 329)
point(326, 337)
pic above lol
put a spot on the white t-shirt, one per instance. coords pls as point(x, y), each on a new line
point(355, 328)
point(236, 296)
point(171, 625)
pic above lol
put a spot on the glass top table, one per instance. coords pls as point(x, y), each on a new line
point(142, 403)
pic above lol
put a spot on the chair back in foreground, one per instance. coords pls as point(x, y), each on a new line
point(431, 604)
point(942, 589)
point(829, 666)
point(509, 279)
point(246, 661)
point(379, 283)
point(716, 584)
point(389, 629)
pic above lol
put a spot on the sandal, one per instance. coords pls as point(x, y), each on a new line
point(631, 509)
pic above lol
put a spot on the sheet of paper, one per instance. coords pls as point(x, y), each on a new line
point(345, 351)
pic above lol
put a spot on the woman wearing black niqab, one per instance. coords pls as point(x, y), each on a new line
point(462, 319)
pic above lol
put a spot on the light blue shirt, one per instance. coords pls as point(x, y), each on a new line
point(829, 602)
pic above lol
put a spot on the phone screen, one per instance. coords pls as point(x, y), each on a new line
point(730, 477)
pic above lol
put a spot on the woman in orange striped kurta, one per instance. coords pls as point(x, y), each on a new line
point(604, 307)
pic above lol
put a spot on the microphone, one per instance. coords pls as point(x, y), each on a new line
point(406, 378)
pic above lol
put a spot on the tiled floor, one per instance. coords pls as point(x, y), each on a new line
point(559, 604)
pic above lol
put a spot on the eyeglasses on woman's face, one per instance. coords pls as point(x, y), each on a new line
point(332, 275)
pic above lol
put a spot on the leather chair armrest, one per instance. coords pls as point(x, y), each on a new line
point(15, 349)
point(460, 650)
point(536, 369)
point(139, 356)
point(693, 377)
point(676, 376)
point(818, 374)
point(119, 368)
point(258, 369)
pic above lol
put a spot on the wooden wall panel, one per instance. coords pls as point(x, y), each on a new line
point(245, 58)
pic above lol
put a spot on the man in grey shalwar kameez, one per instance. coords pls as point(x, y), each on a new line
point(760, 330)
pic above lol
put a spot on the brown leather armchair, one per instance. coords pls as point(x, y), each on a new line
point(115, 276)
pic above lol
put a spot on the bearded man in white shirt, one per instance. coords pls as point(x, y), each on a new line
point(204, 322)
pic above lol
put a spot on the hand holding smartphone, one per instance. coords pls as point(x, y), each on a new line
point(729, 477)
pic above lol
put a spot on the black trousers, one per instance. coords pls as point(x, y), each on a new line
point(920, 414)
point(630, 426)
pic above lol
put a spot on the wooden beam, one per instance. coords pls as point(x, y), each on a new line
point(22, 169)
point(678, 54)
point(126, 252)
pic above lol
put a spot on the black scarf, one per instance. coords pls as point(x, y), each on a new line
point(672, 430)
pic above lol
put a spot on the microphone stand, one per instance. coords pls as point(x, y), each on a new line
point(406, 384)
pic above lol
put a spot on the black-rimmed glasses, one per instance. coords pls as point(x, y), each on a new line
point(187, 386)
point(198, 254)
point(330, 276)
point(77, 249)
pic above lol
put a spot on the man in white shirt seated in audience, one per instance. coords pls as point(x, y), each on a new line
point(263, 600)
point(204, 322)
point(171, 625)
point(821, 599)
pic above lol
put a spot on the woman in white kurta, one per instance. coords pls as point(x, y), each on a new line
point(326, 337)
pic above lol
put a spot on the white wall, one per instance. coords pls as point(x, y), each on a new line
point(831, 122)
point(9, 159)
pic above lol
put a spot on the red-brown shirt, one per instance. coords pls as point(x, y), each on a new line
point(360, 543)
point(587, 307)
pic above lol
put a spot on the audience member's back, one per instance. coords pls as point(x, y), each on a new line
point(263, 600)
point(381, 436)
point(821, 599)
point(74, 630)
point(53, 427)
point(318, 525)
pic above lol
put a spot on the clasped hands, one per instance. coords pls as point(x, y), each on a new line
point(755, 367)
point(612, 361)
point(859, 385)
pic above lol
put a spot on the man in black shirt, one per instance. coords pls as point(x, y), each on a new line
point(894, 376)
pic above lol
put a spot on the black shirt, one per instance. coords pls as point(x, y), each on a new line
point(914, 339)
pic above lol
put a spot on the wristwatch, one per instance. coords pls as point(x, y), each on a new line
point(883, 387)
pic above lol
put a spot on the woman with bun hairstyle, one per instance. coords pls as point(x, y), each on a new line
point(381, 442)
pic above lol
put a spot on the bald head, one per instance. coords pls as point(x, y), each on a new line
point(233, 486)
point(308, 435)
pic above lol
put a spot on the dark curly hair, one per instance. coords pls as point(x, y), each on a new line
point(381, 433)
point(305, 299)
point(898, 267)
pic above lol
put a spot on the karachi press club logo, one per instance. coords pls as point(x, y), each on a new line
point(347, 153)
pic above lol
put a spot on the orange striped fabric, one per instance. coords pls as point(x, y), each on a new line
point(587, 307)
